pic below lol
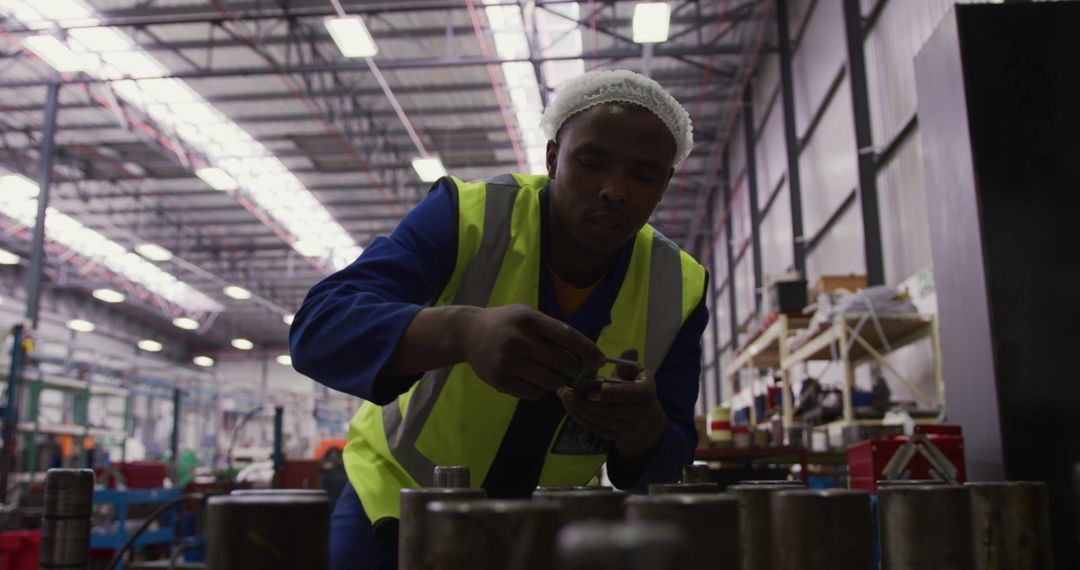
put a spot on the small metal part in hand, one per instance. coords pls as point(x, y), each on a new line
point(623, 362)
point(588, 380)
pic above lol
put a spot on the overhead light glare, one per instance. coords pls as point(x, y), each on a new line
point(217, 178)
point(18, 186)
point(651, 22)
point(80, 325)
point(284, 360)
point(186, 323)
point(8, 258)
point(429, 169)
point(237, 292)
point(351, 36)
point(150, 345)
point(204, 361)
point(242, 344)
point(109, 296)
point(55, 53)
point(288, 318)
point(153, 252)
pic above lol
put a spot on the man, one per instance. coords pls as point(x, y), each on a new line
point(499, 293)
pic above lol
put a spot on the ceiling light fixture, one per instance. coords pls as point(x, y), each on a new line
point(217, 178)
point(55, 53)
point(237, 292)
point(428, 168)
point(204, 361)
point(352, 36)
point(651, 22)
point(288, 318)
point(242, 344)
point(8, 258)
point(150, 345)
point(153, 252)
point(81, 325)
point(284, 360)
point(185, 323)
point(109, 296)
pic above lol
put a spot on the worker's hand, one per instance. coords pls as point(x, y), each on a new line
point(525, 353)
point(628, 414)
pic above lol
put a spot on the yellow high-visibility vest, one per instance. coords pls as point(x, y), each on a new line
point(451, 416)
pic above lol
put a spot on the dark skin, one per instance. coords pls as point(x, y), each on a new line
point(608, 169)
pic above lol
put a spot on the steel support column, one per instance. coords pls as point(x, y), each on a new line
point(714, 292)
point(791, 137)
point(726, 184)
point(752, 188)
point(279, 453)
point(45, 167)
point(11, 410)
point(174, 441)
point(864, 141)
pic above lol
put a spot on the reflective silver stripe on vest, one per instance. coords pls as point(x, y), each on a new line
point(475, 289)
point(665, 301)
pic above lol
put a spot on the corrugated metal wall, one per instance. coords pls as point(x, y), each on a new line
point(833, 226)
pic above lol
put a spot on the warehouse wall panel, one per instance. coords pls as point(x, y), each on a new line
point(840, 251)
point(771, 155)
point(827, 165)
point(776, 235)
point(905, 231)
point(766, 83)
point(816, 60)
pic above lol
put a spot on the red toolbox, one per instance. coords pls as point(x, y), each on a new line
point(19, 549)
point(867, 459)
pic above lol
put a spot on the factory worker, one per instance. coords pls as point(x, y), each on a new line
point(463, 328)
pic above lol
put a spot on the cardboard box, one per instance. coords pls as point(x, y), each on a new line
point(830, 283)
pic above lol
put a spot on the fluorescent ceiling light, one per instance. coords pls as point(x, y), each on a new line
point(352, 36)
point(109, 296)
point(8, 258)
point(651, 21)
point(55, 53)
point(237, 292)
point(203, 361)
point(80, 325)
point(186, 323)
point(288, 319)
point(242, 344)
point(429, 169)
point(150, 345)
point(284, 360)
point(217, 178)
point(18, 186)
point(153, 252)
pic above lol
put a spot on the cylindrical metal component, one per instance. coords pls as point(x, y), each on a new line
point(1012, 526)
point(492, 535)
point(708, 523)
point(414, 550)
point(755, 526)
point(606, 545)
point(695, 473)
point(280, 492)
point(456, 476)
point(584, 503)
point(821, 530)
point(926, 527)
point(684, 488)
point(267, 531)
point(775, 482)
point(65, 522)
point(909, 483)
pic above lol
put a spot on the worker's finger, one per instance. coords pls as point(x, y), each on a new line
point(604, 427)
point(617, 419)
point(625, 371)
point(555, 358)
point(568, 338)
point(641, 391)
point(521, 388)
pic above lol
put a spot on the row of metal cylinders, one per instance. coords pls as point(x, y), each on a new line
point(759, 525)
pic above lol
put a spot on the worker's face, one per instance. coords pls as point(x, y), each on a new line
point(609, 170)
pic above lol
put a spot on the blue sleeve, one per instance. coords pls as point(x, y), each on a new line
point(350, 323)
point(677, 389)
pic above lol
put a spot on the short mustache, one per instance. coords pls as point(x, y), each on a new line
point(620, 217)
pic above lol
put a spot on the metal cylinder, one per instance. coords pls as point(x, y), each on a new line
point(414, 551)
point(456, 476)
point(695, 473)
point(775, 482)
point(582, 504)
point(909, 483)
point(708, 523)
point(1012, 526)
point(267, 531)
point(821, 530)
point(65, 522)
point(492, 535)
point(755, 522)
point(280, 492)
point(606, 545)
point(684, 489)
point(926, 527)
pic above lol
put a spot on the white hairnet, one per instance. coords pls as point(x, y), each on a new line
point(620, 86)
